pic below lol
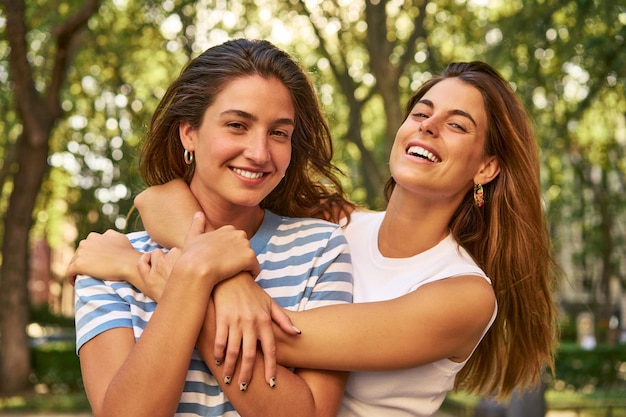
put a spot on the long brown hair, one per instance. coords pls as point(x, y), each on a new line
point(310, 188)
point(508, 238)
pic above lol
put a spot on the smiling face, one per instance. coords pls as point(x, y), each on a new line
point(438, 152)
point(243, 145)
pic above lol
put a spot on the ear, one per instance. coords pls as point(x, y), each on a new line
point(187, 135)
point(489, 169)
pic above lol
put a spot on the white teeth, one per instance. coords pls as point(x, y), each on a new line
point(419, 151)
point(248, 174)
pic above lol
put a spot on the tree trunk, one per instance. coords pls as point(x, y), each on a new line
point(14, 314)
point(38, 114)
point(605, 310)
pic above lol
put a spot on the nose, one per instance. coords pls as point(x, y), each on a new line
point(429, 126)
point(257, 149)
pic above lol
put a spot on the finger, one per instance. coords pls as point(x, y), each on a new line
point(197, 226)
point(221, 338)
point(143, 265)
point(268, 346)
point(156, 257)
point(280, 317)
point(232, 352)
point(248, 356)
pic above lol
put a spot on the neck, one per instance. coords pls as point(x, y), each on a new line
point(412, 226)
point(248, 219)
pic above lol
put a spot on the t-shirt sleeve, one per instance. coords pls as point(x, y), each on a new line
point(333, 273)
point(99, 308)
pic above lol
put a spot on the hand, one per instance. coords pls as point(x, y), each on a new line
point(154, 270)
point(215, 255)
point(239, 329)
point(105, 256)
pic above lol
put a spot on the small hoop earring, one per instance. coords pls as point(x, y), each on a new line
point(188, 157)
point(479, 195)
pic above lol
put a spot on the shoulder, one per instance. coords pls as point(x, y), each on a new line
point(469, 298)
point(363, 218)
point(461, 306)
point(306, 222)
point(305, 234)
point(303, 226)
point(455, 260)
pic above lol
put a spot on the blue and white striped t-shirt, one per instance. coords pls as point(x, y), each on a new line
point(305, 263)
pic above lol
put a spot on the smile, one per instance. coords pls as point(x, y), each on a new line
point(248, 174)
point(422, 153)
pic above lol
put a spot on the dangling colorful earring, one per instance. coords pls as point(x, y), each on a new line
point(479, 195)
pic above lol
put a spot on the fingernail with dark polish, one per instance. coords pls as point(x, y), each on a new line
point(227, 380)
point(243, 386)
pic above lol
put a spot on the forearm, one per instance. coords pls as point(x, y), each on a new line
point(304, 393)
point(437, 321)
point(350, 337)
point(162, 353)
point(155, 358)
point(165, 225)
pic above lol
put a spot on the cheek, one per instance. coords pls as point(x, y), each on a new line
point(281, 156)
point(397, 151)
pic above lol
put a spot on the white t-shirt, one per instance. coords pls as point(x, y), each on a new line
point(410, 392)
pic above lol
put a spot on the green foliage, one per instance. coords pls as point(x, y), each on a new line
point(46, 403)
point(565, 58)
point(56, 366)
point(602, 368)
point(42, 315)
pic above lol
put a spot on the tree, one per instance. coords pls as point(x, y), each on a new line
point(568, 66)
point(38, 107)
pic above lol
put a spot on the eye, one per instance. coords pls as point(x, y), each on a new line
point(236, 125)
point(281, 135)
point(457, 126)
point(419, 115)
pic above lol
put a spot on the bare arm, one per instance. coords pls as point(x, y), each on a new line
point(440, 320)
point(167, 225)
point(303, 393)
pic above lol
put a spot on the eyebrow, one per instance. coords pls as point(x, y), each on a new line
point(250, 116)
point(452, 112)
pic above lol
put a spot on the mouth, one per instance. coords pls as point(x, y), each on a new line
point(420, 152)
point(253, 175)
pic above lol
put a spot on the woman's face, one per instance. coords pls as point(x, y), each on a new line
point(243, 146)
point(438, 150)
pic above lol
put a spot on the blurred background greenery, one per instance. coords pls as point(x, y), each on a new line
point(79, 80)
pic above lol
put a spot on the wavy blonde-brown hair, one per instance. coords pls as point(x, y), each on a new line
point(508, 238)
point(310, 188)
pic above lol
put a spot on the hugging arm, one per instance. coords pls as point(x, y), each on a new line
point(443, 319)
point(167, 226)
